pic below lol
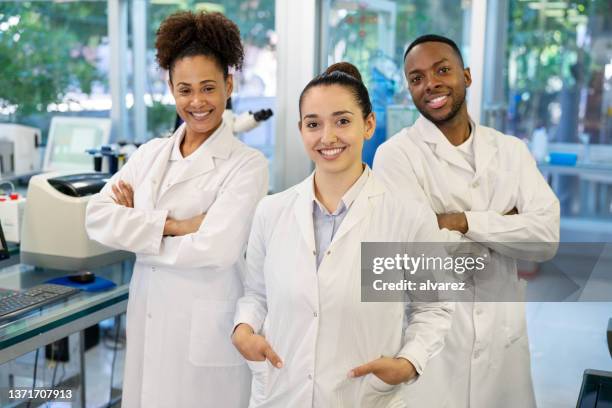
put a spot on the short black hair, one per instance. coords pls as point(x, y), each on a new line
point(434, 38)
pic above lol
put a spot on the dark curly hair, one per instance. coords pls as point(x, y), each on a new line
point(187, 34)
point(347, 75)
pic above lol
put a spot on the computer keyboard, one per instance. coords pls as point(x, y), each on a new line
point(33, 298)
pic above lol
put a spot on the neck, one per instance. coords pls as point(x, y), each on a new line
point(456, 129)
point(192, 140)
point(331, 187)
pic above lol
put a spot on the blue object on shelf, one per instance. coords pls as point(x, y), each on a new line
point(563, 159)
point(98, 285)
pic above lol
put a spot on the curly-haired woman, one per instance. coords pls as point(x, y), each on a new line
point(184, 205)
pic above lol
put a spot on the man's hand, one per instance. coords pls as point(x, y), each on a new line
point(393, 371)
point(124, 194)
point(177, 228)
point(254, 347)
point(453, 221)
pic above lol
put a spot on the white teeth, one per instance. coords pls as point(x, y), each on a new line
point(200, 115)
point(331, 152)
point(438, 99)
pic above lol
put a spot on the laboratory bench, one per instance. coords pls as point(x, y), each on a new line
point(59, 320)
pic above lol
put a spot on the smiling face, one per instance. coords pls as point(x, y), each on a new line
point(201, 92)
point(437, 81)
point(333, 128)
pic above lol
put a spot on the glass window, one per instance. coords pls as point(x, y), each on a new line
point(53, 61)
point(373, 35)
point(558, 96)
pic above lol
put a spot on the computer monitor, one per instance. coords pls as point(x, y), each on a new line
point(69, 138)
point(596, 390)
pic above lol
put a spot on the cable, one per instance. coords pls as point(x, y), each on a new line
point(34, 379)
point(63, 373)
point(54, 374)
point(110, 391)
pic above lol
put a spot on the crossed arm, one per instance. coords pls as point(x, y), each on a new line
point(124, 195)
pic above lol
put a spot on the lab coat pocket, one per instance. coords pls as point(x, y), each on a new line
point(210, 338)
point(378, 394)
point(514, 326)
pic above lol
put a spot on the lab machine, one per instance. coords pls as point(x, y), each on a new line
point(53, 234)
point(19, 149)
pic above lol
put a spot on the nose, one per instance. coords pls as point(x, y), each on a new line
point(329, 135)
point(433, 82)
point(197, 100)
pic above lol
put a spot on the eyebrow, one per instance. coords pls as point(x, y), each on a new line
point(201, 82)
point(337, 113)
point(414, 71)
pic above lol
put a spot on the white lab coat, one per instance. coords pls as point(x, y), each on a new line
point(314, 319)
point(485, 362)
point(184, 289)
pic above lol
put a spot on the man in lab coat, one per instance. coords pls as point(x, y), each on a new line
point(485, 188)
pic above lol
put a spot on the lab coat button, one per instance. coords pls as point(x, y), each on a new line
point(475, 184)
point(149, 315)
point(478, 311)
point(315, 314)
point(310, 376)
point(476, 354)
point(328, 252)
point(314, 252)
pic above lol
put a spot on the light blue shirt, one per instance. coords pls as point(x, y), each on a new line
point(326, 224)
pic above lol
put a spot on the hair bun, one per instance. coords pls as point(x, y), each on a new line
point(346, 68)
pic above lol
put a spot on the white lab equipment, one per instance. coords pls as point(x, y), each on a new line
point(70, 138)
point(12, 207)
point(539, 145)
point(26, 155)
point(246, 120)
point(53, 233)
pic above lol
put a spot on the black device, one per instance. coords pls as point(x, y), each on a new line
point(80, 185)
point(596, 390)
point(33, 298)
point(4, 253)
point(82, 277)
point(609, 336)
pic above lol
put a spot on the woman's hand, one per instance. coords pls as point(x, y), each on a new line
point(254, 347)
point(124, 194)
point(178, 228)
point(393, 371)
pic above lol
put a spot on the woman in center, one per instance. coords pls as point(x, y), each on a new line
point(301, 325)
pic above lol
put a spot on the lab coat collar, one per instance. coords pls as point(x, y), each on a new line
point(349, 197)
point(219, 145)
point(358, 210)
point(429, 133)
point(485, 148)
